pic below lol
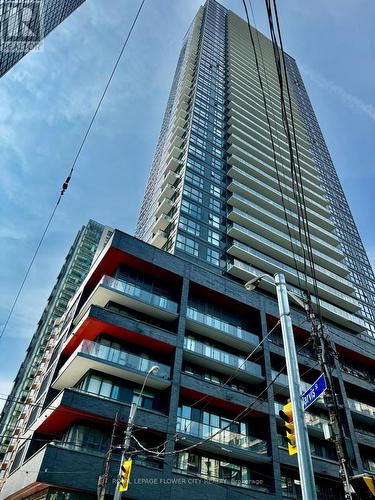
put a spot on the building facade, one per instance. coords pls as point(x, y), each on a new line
point(219, 210)
point(220, 188)
point(87, 245)
point(24, 24)
point(140, 306)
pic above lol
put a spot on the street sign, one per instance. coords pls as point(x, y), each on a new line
point(313, 392)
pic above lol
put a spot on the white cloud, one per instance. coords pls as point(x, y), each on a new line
point(351, 101)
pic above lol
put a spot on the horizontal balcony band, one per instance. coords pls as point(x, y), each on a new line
point(271, 263)
point(282, 236)
point(165, 206)
point(244, 65)
point(159, 238)
point(167, 191)
point(239, 93)
point(253, 239)
point(244, 123)
point(119, 326)
point(249, 143)
point(362, 412)
point(234, 110)
point(255, 106)
point(212, 327)
point(243, 196)
point(255, 168)
point(226, 395)
point(246, 272)
point(239, 446)
point(74, 404)
point(170, 177)
point(162, 222)
point(259, 131)
point(222, 361)
point(130, 295)
point(274, 195)
point(95, 356)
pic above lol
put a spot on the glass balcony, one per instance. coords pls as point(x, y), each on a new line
point(240, 199)
point(130, 295)
point(219, 329)
point(117, 362)
point(241, 217)
point(363, 408)
point(245, 271)
point(159, 238)
point(224, 437)
point(222, 361)
point(272, 262)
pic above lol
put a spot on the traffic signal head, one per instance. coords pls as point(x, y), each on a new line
point(364, 486)
point(126, 468)
point(287, 415)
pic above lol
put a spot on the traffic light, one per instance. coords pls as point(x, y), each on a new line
point(126, 468)
point(287, 415)
point(364, 486)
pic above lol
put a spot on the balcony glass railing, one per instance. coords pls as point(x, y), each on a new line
point(121, 358)
point(223, 326)
point(361, 407)
point(221, 436)
point(136, 292)
point(222, 356)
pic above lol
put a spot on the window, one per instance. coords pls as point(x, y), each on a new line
point(197, 152)
point(215, 204)
point(189, 226)
point(83, 437)
point(215, 190)
point(191, 209)
point(194, 179)
point(193, 193)
point(215, 176)
point(213, 257)
point(213, 237)
point(214, 220)
point(187, 245)
point(195, 165)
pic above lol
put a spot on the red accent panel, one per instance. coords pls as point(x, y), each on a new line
point(91, 328)
point(114, 257)
point(63, 416)
point(354, 356)
point(218, 403)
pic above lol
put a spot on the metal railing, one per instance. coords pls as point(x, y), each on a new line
point(121, 358)
point(135, 291)
point(224, 326)
point(224, 437)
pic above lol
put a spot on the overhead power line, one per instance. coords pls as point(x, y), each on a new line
point(65, 185)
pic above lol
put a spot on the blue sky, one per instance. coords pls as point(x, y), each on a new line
point(47, 99)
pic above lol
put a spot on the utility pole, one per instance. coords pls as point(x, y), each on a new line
point(129, 430)
point(302, 438)
point(326, 351)
point(103, 478)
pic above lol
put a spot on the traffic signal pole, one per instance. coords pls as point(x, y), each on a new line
point(302, 439)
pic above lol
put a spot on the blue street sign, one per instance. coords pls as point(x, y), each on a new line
point(313, 392)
